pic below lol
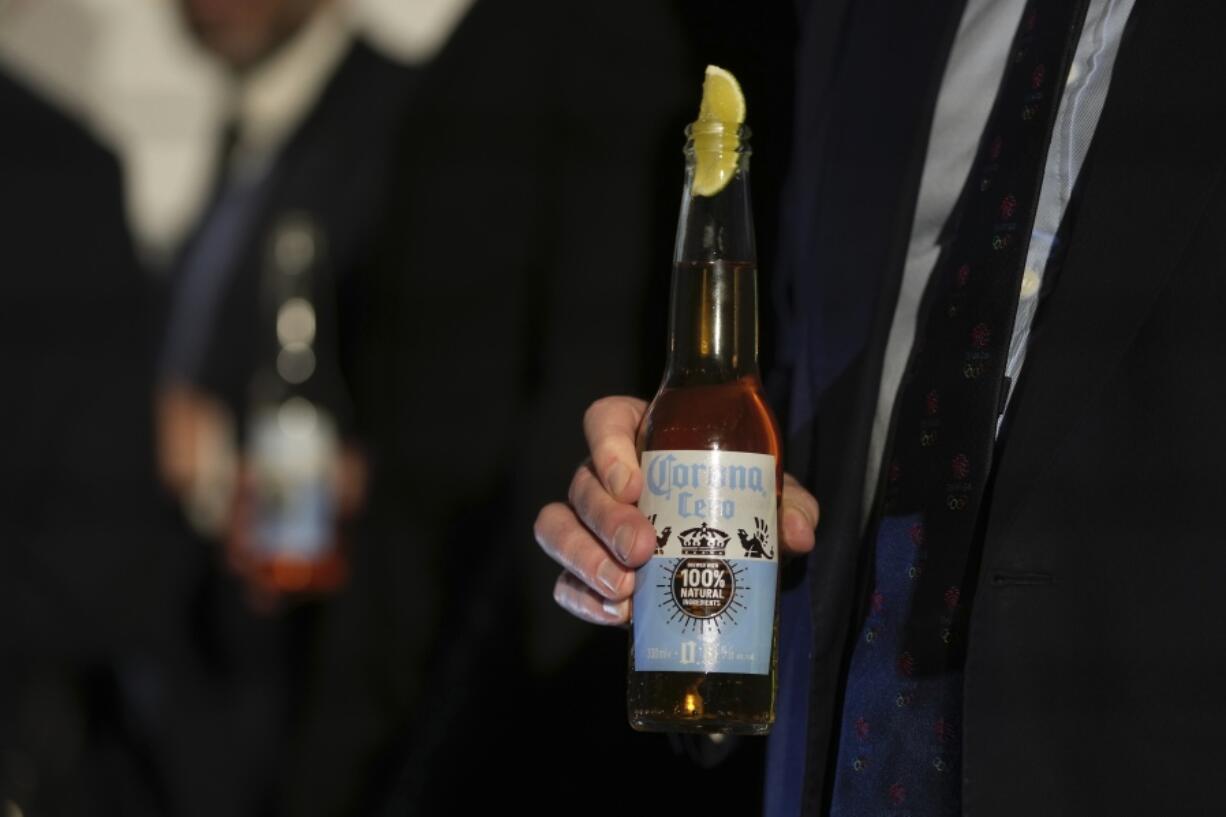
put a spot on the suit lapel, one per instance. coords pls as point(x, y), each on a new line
point(1156, 157)
point(866, 97)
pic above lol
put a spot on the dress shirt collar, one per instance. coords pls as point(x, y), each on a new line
point(271, 101)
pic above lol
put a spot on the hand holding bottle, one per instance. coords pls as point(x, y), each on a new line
point(704, 463)
point(600, 537)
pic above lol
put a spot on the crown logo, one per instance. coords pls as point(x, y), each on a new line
point(703, 541)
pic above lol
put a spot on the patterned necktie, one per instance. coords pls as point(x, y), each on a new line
point(899, 750)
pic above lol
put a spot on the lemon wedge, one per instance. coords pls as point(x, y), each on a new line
point(720, 113)
point(722, 100)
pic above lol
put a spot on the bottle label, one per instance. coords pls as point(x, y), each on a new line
point(292, 456)
point(705, 602)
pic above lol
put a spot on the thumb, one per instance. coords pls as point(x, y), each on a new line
point(798, 516)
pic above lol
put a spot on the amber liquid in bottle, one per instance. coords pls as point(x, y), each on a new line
point(287, 529)
point(711, 399)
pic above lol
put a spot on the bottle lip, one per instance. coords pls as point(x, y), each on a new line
point(715, 127)
point(715, 136)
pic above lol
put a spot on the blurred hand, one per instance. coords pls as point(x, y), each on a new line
point(600, 537)
point(247, 560)
point(199, 462)
point(196, 455)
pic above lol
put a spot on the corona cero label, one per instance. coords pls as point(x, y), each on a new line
point(706, 600)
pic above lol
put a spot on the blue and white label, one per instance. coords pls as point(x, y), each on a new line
point(706, 600)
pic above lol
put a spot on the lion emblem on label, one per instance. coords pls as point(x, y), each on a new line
point(661, 536)
point(755, 546)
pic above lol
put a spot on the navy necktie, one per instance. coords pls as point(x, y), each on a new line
point(899, 747)
point(204, 272)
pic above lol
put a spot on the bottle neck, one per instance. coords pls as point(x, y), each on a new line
point(713, 323)
point(290, 351)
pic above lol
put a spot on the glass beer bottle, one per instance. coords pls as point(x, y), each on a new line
point(287, 524)
point(702, 655)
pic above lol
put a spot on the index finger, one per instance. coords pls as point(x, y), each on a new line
point(610, 425)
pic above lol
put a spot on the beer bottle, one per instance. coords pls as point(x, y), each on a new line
point(287, 520)
point(702, 655)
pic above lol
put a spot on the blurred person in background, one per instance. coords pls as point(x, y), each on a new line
point(255, 429)
point(88, 595)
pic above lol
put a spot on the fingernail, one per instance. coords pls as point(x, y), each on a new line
point(623, 542)
point(617, 609)
point(610, 575)
point(617, 478)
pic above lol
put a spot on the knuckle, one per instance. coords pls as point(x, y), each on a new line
point(548, 520)
point(576, 553)
point(581, 479)
point(604, 451)
point(568, 543)
point(598, 408)
point(605, 519)
point(594, 414)
point(543, 521)
point(595, 509)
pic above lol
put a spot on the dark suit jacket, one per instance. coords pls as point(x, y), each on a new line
point(1096, 655)
point(79, 563)
point(85, 579)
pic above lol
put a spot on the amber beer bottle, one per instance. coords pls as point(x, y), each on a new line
point(702, 655)
point(287, 523)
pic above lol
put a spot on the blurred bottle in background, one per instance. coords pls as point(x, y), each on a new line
point(299, 484)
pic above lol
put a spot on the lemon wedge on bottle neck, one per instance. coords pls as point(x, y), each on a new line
point(720, 114)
